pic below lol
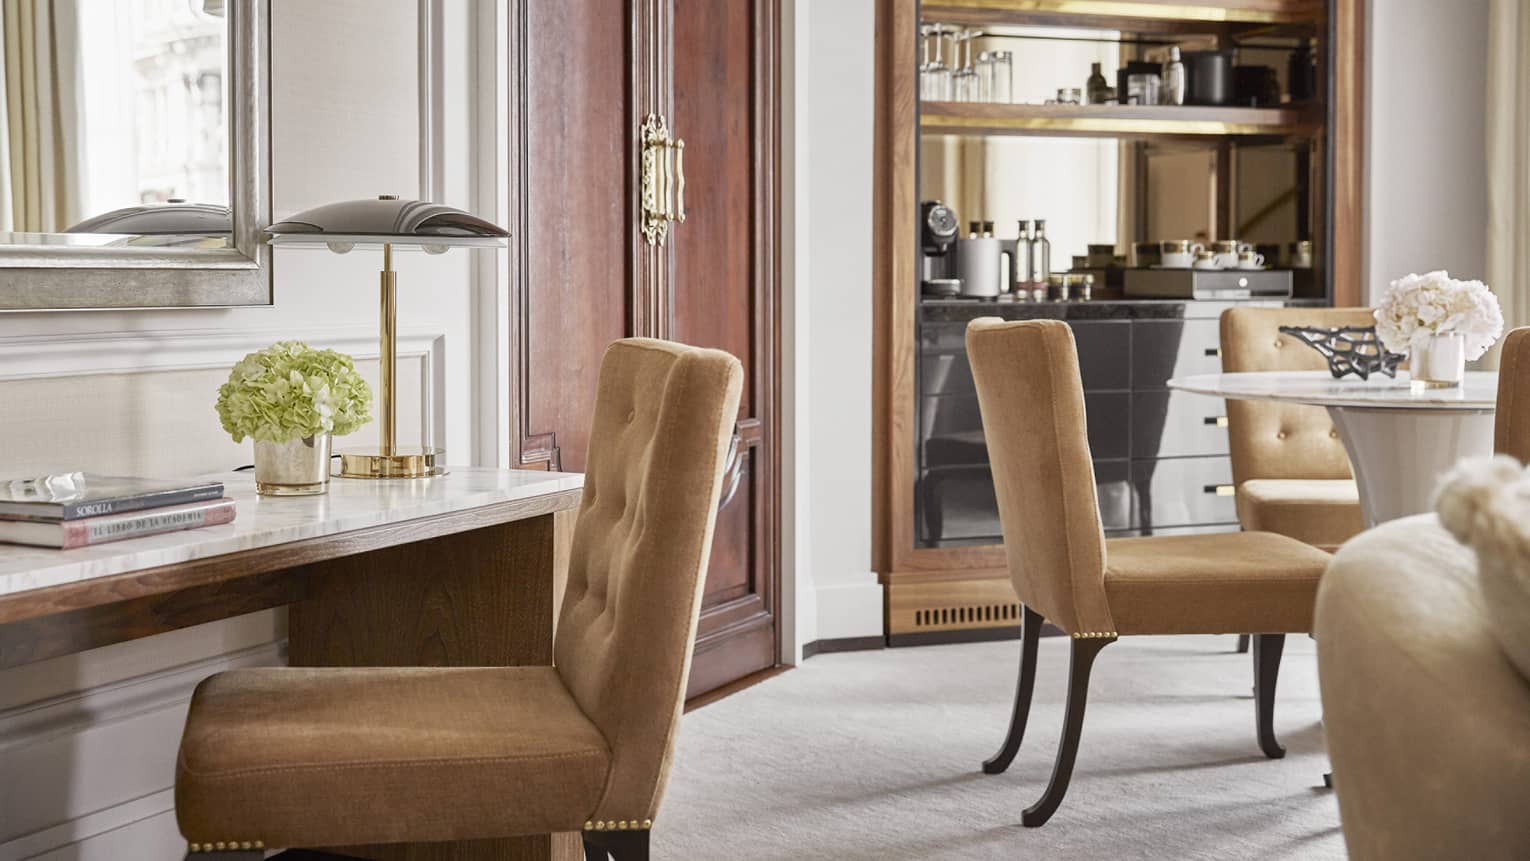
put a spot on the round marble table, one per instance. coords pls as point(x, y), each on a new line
point(1400, 440)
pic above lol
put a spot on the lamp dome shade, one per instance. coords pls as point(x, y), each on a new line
point(386, 220)
point(175, 217)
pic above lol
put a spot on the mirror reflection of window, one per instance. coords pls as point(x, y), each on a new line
point(1070, 182)
point(111, 104)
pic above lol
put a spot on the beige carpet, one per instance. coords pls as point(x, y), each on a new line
point(876, 755)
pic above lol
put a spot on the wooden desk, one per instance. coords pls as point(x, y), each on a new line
point(450, 571)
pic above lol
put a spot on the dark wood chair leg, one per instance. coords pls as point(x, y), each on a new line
point(1267, 649)
point(616, 845)
point(1242, 644)
point(1030, 635)
point(1081, 662)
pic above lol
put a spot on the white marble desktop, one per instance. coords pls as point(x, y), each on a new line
point(1478, 392)
point(263, 521)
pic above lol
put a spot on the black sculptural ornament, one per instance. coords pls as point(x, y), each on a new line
point(1348, 349)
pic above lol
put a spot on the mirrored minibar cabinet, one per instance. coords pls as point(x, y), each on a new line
point(1128, 127)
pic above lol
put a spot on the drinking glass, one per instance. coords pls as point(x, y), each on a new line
point(984, 70)
point(1002, 75)
point(934, 74)
point(964, 79)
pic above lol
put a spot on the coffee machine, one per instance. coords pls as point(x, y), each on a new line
point(938, 232)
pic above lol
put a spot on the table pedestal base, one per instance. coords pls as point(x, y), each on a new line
point(1398, 455)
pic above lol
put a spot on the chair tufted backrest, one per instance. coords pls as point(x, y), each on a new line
point(1032, 402)
point(664, 415)
point(1276, 440)
point(1512, 428)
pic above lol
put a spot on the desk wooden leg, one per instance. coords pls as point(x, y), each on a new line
point(474, 599)
point(563, 847)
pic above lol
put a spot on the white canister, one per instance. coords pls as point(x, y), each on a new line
point(979, 262)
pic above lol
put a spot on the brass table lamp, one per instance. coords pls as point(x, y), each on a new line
point(389, 222)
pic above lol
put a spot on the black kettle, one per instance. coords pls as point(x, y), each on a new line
point(1208, 77)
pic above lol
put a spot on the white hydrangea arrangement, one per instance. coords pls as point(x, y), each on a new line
point(290, 391)
point(1419, 306)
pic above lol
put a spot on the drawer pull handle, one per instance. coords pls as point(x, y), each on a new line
point(1221, 489)
point(1214, 352)
point(1216, 421)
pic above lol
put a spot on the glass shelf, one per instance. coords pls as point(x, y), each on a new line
point(972, 118)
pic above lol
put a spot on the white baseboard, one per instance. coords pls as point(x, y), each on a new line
point(848, 610)
point(86, 767)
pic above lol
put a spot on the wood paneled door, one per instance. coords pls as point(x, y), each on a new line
point(588, 77)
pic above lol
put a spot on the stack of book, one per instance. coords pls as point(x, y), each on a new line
point(76, 509)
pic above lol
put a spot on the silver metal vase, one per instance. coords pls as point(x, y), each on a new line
point(296, 468)
point(1439, 361)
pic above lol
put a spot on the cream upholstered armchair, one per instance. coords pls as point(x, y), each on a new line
point(341, 756)
point(1424, 662)
point(1424, 658)
point(1097, 590)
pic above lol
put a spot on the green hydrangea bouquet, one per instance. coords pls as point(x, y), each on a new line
point(290, 391)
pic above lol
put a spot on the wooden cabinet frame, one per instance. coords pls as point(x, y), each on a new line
point(979, 572)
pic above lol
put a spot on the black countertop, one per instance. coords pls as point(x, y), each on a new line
point(964, 310)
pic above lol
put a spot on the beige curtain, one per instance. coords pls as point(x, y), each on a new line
point(1508, 158)
point(41, 142)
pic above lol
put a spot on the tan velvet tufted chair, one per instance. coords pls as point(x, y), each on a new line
point(1094, 589)
point(1289, 466)
point(1511, 431)
point(341, 756)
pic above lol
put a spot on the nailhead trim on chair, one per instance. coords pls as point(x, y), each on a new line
point(229, 846)
point(1095, 635)
point(618, 825)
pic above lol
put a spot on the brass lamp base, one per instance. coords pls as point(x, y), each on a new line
point(404, 462)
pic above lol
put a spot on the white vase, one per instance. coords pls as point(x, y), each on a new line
point(296, 468)
point(1438, 361)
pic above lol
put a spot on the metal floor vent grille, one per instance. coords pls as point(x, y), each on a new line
point(978, 614)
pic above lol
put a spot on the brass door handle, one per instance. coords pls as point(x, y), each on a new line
point(656, 180)
point(734, 471)
point(662, 180)
point(679, 147)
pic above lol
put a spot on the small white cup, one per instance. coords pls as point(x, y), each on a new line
point(1250, 260)
point(1179, 253)
point(1209, 263)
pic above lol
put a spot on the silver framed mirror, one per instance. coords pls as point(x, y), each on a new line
point(112, 200)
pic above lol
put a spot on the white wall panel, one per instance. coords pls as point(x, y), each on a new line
point(1426, 143)
point(87, 741)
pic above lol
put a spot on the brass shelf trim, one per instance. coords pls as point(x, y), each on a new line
point(1291, 13)
point(1108, 120)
